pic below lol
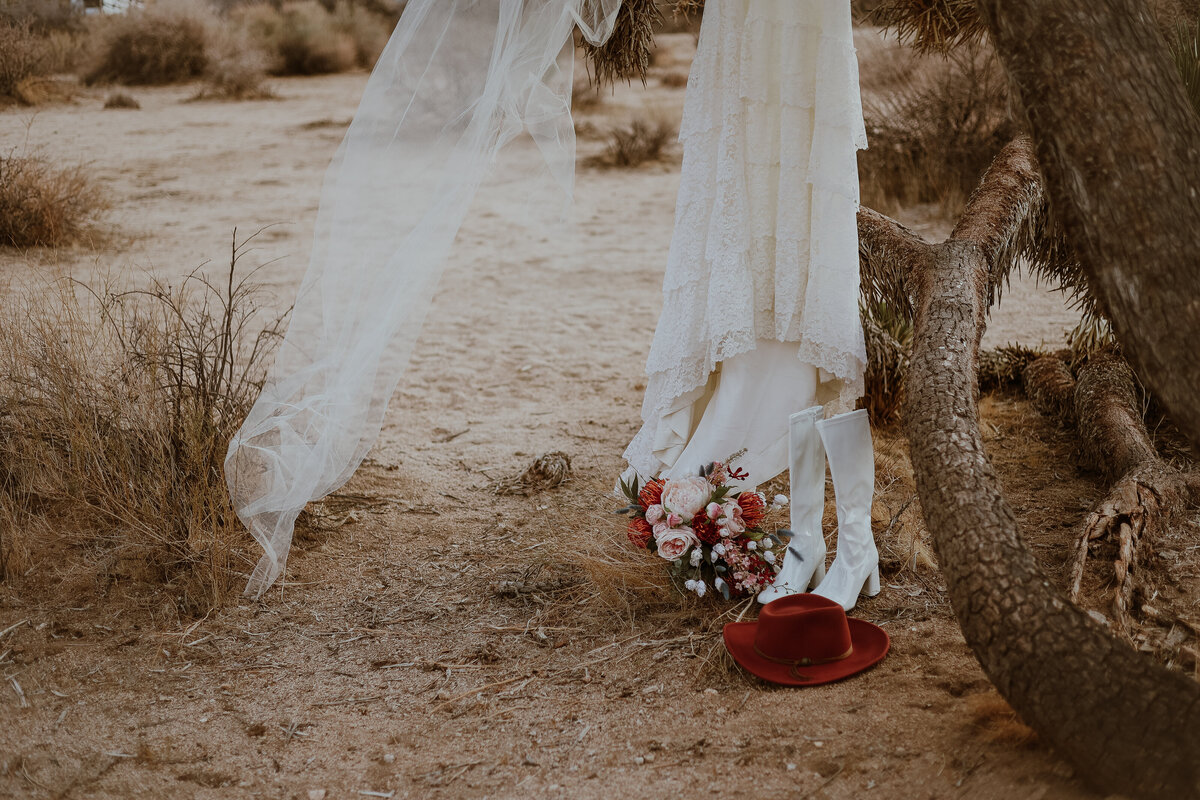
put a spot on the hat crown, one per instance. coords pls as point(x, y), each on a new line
point(803, 628)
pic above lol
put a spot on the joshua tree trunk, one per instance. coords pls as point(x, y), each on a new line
point(1128, 724)
point(1119, 145)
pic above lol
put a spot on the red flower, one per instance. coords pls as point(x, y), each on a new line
point(754, 509)
point(651, 494)
point(706, 530)
point(639, 531)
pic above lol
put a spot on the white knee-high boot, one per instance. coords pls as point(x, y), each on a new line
point(855, 568)
point(804, 559)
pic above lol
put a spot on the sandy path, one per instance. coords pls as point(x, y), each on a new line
point(365, 671)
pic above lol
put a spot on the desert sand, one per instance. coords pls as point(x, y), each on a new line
point(436, 641)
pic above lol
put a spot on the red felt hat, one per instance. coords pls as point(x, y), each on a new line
point(805, 640)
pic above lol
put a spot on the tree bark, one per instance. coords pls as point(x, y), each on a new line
point(1125, 722)
point(1146, 495)
point(1119, 146)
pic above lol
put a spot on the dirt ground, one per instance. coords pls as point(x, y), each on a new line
point(433, 639)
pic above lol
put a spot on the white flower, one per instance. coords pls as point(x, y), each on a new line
point(697, 555)
point(686, 496)
point(733, 517)
point(769, 557)
point(701, 588)
point(690, 585)
point(751, 545)
point(781, 500)
point(674, 542)
point(655, 514)
point(767, 543)
point(720, 584)
point(718, 549)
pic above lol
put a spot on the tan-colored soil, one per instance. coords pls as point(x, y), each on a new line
point(438, 640)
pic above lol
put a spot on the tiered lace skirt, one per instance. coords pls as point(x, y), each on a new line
point(765, 246)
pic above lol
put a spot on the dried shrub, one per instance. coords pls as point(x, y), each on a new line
point(236, 67)
point(675, 79)
point(931, 141)
point(368, 30)
point(159, 44)
point(121, 100)
point(64, 51)
point(116, 408)
point(43, 205)
point(43, 16)
point(23, 55)
point(584, 95)
point(636, 143)
point(299, 39)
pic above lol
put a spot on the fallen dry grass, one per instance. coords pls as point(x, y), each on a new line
point(116, 408)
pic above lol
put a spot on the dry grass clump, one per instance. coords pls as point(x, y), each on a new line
point(932, 140)
point(121, 100)
point(163, 43)
point(23, 55)
point(674, 79)
point(177, 41)
point(304, 38)
point(116, 408)
point(43, 205)
point(636, 143)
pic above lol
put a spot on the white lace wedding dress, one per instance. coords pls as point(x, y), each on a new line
point(760, 298)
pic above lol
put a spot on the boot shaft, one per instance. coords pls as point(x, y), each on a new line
point(848, 447)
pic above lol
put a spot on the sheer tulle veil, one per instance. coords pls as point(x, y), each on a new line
point(458, 80)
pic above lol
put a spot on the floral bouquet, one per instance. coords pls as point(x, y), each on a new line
point(711, 534)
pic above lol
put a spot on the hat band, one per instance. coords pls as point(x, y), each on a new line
point(804, 662)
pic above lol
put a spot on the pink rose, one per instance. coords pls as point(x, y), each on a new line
point(674, 542)
point(673, 520)
point(654, 514)
point(659, 528)
point(686, 496)
point(713, 511)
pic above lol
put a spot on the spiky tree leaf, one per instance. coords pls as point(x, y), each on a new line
point(931, 25)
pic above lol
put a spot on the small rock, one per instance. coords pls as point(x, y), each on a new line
point(388, 758)
point(791, 767)
point(639, 760)
point(316, 794)
point(711, 691)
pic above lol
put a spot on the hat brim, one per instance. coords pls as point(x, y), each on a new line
point(870, 642)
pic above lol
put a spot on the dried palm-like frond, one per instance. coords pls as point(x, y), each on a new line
point(889, 343)
point(1185, 49)
point(931, 25)
point(626, 54)
point(1092, 335)
point(1004, 366)
point(686, 8)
